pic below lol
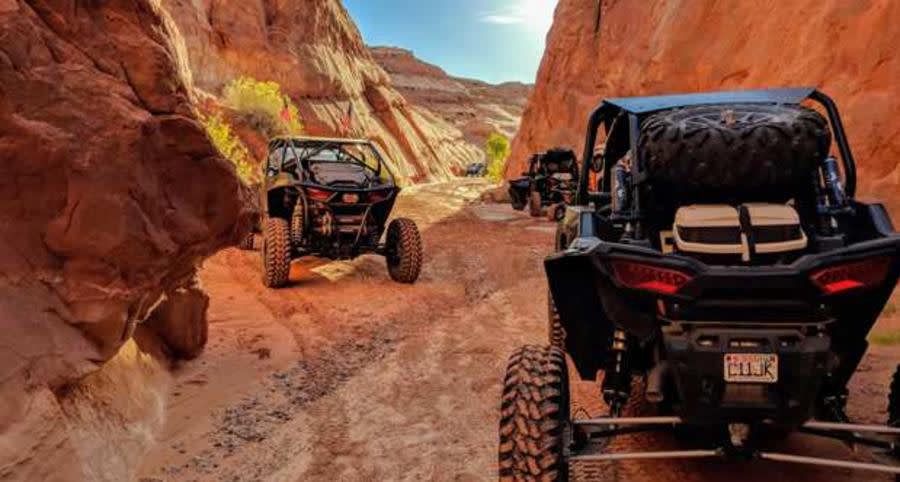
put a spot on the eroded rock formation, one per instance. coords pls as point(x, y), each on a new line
point(848, 49)
point(110, 194)
point(314, 50)
point(475, 107)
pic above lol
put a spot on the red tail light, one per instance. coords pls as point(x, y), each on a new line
point(318, 194)
point(648, 277)
point(378, 196)
point(858, 274)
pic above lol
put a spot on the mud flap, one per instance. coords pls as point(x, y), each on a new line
point(572, 280)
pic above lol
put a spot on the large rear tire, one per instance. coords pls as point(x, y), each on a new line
point(516, 199)
point(739, 147)
point(276, 252)
point(534, 416)
point(534, 204)
point(404, 245)
point(556, 212)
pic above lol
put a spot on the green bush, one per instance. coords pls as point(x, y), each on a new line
point(497, 150)
point(231, 147)
point(885, 338)
point(262, 106)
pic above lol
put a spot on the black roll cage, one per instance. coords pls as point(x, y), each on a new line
point(321, 145)
point(612, 112)
point(536, 166)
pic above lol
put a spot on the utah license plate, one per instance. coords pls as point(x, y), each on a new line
point(751, 368)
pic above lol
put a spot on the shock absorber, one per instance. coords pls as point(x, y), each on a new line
point(617, 376)
point(831, 200)
point(298, 222)
point(833, 186)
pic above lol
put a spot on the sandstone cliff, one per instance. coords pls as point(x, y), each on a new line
point(110, 194)
point(314, 50)
point(848, 49)
point(477, 108)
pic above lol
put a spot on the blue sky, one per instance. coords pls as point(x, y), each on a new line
point(491, 40)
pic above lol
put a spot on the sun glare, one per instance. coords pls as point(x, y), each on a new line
point(534, 15)
point(537, 14)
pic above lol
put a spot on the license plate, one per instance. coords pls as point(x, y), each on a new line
point(751, 368)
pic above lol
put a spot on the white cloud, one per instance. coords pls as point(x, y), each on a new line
point(537, 14)
point(500, 19)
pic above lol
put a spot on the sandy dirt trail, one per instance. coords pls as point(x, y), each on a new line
point(345, 375)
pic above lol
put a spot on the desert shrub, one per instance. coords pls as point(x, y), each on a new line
point(885, 338)
point(497, 150)
point(230, 146)
point(262, 106)
point(890, 309)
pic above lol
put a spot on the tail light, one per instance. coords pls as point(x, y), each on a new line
point(378, 196)
point(857, 274)
point(350, 198)
point(648, 277)
point(318, 194)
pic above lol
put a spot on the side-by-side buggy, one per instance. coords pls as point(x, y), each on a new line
point(332, 198)
point(550, 183)
point(723, 281)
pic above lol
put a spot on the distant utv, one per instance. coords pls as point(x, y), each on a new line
point(476, 169)
point(332, 198)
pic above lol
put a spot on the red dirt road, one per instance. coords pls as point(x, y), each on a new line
point(345, 375)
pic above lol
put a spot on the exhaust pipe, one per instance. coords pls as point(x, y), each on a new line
point(656, 379)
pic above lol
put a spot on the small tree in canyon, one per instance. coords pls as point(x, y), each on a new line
point(497, 150)
point(230, 147)
point(262, 106)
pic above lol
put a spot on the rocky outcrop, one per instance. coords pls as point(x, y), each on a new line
point(476, 108)
point(110, 195)
point(313, 49)
point(848, 49)
point(180, 321)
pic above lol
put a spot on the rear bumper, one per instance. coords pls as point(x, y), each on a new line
point(697, 364)
point(592, 303)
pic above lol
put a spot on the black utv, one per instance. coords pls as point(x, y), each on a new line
point(549, 182)
point(723, 279)
point(332, 198)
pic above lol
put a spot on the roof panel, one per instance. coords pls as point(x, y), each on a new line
point(643, 105)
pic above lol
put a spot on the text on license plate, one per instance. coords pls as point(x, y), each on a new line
point(751, 368)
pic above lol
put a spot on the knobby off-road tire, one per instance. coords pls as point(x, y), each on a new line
point(404, 259)
point(556, 212)
point(534, 204)
point(534, 416)
point(276, 252)
point(518, 203)
point(742, 147)
point(555, 332)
